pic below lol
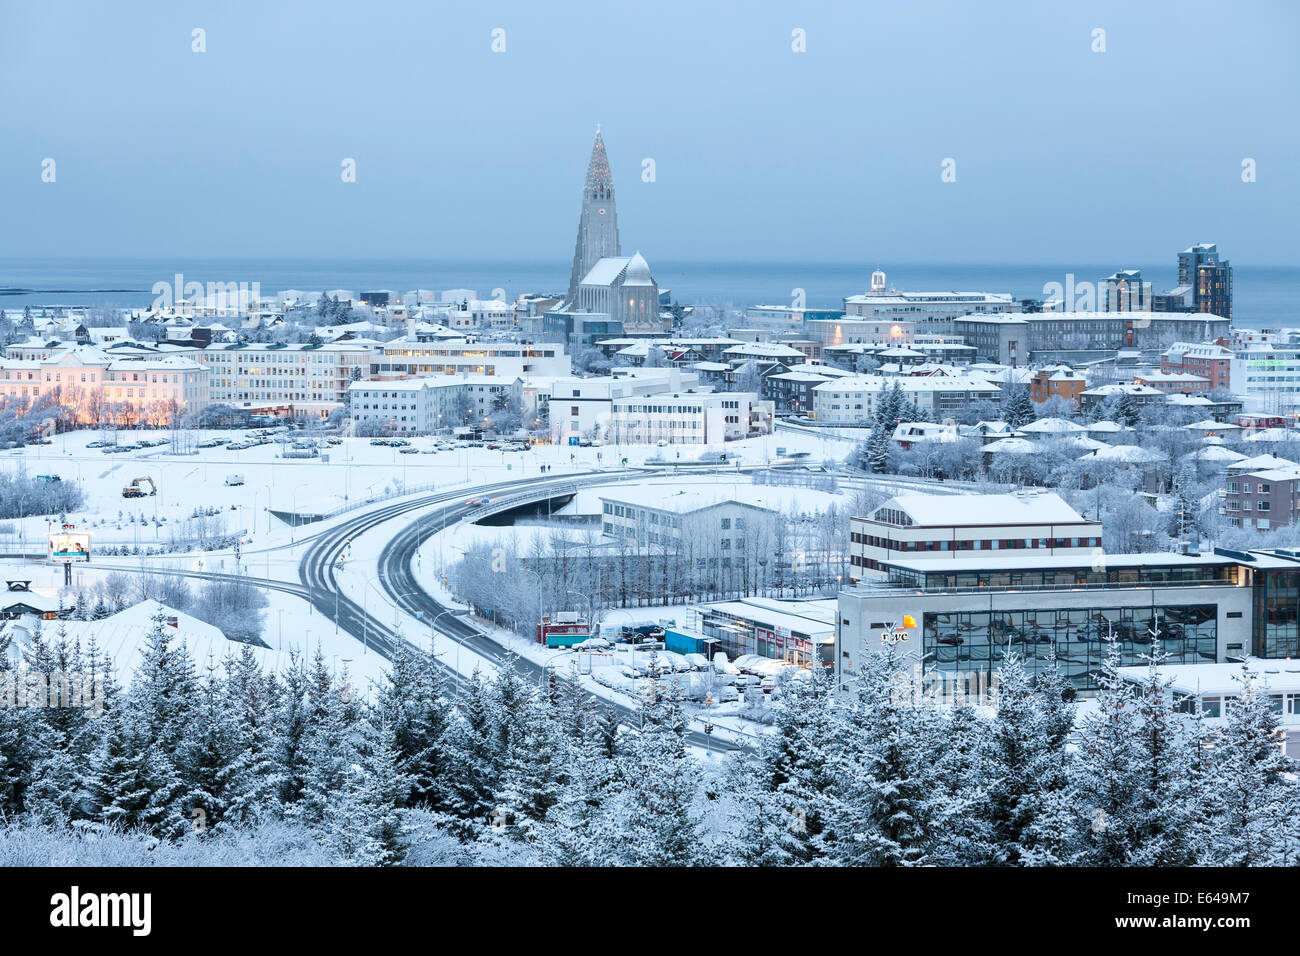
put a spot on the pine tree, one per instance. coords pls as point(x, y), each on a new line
point(1249, 793)
point(794, 801)
point(1164, 805)
point(1107, 783)
point(1020, 761)
point(1018, 408)
point(661, 823)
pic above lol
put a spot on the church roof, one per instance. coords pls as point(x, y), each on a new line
point(638, 272)
point(606, 271)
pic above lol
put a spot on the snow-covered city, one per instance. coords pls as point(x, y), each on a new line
point(579, 554)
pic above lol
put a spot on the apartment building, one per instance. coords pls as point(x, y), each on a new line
point(853, 400)
point(403, 358)
point(416, 406)
point(86, 379)
point(583, 407)
point(1057, 382)
point(689, 418)
point(1263, 499)
point(313, 379)
point(1174, 383)
point(1215, 363)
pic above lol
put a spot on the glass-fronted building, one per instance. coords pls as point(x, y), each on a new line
point(964, 616)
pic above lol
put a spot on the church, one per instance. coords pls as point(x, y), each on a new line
point(609, 294)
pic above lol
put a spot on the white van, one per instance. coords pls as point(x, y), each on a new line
point(232, 480)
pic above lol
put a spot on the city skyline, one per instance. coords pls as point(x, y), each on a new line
point(759, 153)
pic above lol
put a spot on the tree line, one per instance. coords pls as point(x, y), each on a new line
point(196, 763)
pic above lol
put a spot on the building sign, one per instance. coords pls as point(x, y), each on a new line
point(896, 635)
point(68, 546)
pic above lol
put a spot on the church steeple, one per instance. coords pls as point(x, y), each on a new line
point(598, 223)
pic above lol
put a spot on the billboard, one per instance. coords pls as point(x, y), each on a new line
point(67, 546)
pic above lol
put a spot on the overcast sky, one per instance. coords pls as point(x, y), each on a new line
point(761, 153)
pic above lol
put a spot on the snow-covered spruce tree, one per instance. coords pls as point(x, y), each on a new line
point(290, 715)
point(889, 740)
point(794, 791)
point(134, 777)
point(67, 736)
point(1107, 784)
point(413, 712)
point(657, 806)
point(1164, 805)
point(473, 765)
point(582, 827)
point(534, 766)
point(21, 736)
point(1248, 794)
point(363, 821)
point(211, 756)
point(1018, 408)
point(961, 836)
point(877, 450)
point(1021, 764)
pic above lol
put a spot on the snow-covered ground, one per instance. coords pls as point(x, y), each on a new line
point(355, 473)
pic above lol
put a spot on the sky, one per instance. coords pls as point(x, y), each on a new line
point(760, 153)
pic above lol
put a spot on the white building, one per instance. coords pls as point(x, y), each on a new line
point(853, 400)
point(930, 311)
point(312, 378)
point(583, 407)
point(88, 380)
point(403, 358)
point(415, 406)
point(961, 526)
point(689, 418)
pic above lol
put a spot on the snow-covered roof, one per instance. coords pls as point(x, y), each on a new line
point(683, 498)
point(1052, 426)
point(1011, 446)
point(1029, 508)
point(1134, 454)
point(1260, 462)
point(1105, 428)
point(1217, 453)
point(1220, 680)
point(1272, 434)
point(1210, 425)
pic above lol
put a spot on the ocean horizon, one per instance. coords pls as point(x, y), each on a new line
point(1264, 296)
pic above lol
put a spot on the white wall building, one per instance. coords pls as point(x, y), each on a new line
point(415, 406)
point(87, 379)
point(689, 418)
point(583, 407)
point(314, 379)
point(962, 526)
point(854, 400)
point(403, 358)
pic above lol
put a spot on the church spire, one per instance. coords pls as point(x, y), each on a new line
point(598, 174)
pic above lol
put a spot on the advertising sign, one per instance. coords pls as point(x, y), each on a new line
point(68, 546)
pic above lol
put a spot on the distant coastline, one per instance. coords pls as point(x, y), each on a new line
point(1265, 296)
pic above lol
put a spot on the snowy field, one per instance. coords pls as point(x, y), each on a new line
point(356, 472)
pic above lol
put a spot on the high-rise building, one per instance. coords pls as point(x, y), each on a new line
point(1208, 277)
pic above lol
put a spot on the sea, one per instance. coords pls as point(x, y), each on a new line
point(1263, 297)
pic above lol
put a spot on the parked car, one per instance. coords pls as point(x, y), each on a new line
point(234, 480)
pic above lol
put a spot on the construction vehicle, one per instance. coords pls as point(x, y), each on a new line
point(136, 489)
